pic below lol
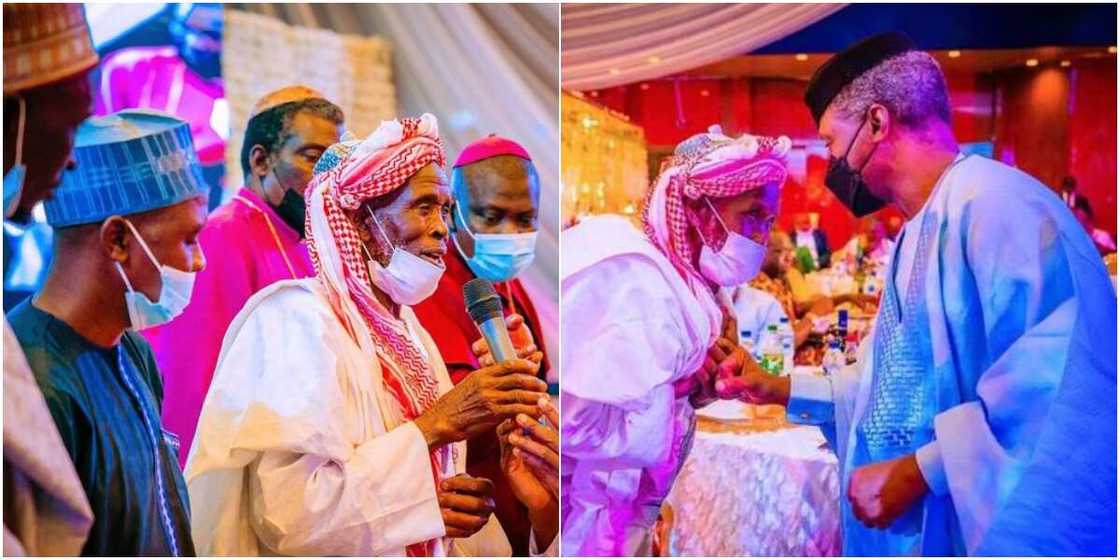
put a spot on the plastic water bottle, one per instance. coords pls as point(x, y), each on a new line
point(772, 358)
point(834, 359)
point(785, 334)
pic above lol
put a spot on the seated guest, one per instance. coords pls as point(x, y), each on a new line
point(251, 241)
point(1101, 238)
point(494, 223)
point(798, 296)
point(773, 277)
point(45, 509)
point(126, 223)
point(331, 426)
point(870, 248)
point(779, 278)
point(812, 239)
point(1068, 192)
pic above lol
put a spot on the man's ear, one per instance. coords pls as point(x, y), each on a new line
point(452, 220)
point(371, 237)
point(364, 225)
point(113, 238)
point(258, 161)
point(879, 121)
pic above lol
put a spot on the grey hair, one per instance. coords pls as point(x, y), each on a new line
point(911, 86)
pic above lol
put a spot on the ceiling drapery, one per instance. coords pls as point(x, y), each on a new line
point(606, 45)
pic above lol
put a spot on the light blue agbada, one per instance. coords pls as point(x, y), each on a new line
point(994, 360)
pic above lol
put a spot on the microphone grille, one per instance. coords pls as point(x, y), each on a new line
point(483, 302)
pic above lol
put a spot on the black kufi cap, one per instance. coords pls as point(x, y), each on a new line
point(843, 68)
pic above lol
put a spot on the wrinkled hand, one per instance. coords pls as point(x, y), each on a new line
point(481, 401)
point(519, 335)
point(466, 504)
point(881, 492)
point(740, 377)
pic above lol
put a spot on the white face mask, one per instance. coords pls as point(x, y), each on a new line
point(409, 279)
point(174, 293)
point(13, 179)
point(737, 262)
point(497, 256)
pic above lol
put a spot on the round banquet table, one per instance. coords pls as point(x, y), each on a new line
point(751, 490)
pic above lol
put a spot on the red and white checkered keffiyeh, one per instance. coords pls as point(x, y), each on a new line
point(706, 165)
point(377, 165)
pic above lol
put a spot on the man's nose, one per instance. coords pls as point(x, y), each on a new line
point(199, 262)
point(440, 230)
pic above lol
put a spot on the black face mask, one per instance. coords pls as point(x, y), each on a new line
point(847, 183)
point(292, 208)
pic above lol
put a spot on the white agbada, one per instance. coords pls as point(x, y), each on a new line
point(1014, 417)
point(300, 449)
point(631, 327)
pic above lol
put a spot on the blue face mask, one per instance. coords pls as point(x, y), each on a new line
point(13, 179)
point(497, 256)
point(174, 294)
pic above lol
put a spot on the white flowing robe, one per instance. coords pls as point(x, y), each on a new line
point(1022, 327)
point(631, 327)
point(300, 450)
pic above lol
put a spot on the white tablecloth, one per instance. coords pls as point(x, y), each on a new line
point(832, 283)
point(759, 494)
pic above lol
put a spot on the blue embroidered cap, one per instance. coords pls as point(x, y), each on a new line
point(128, 162)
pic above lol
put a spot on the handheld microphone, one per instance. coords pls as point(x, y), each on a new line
point(485, 308)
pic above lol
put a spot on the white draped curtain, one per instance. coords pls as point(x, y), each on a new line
point(606, 45)
point(481, 69)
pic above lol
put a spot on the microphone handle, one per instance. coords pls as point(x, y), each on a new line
point(497, 338)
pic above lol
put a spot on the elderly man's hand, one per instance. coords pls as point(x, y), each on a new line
point(481, 401)
point(881, 492)
point(740, 377)
point(519, 335)
point(466, 504)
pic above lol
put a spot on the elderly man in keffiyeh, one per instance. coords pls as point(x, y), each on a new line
point(331, 426)
point(642, 311)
